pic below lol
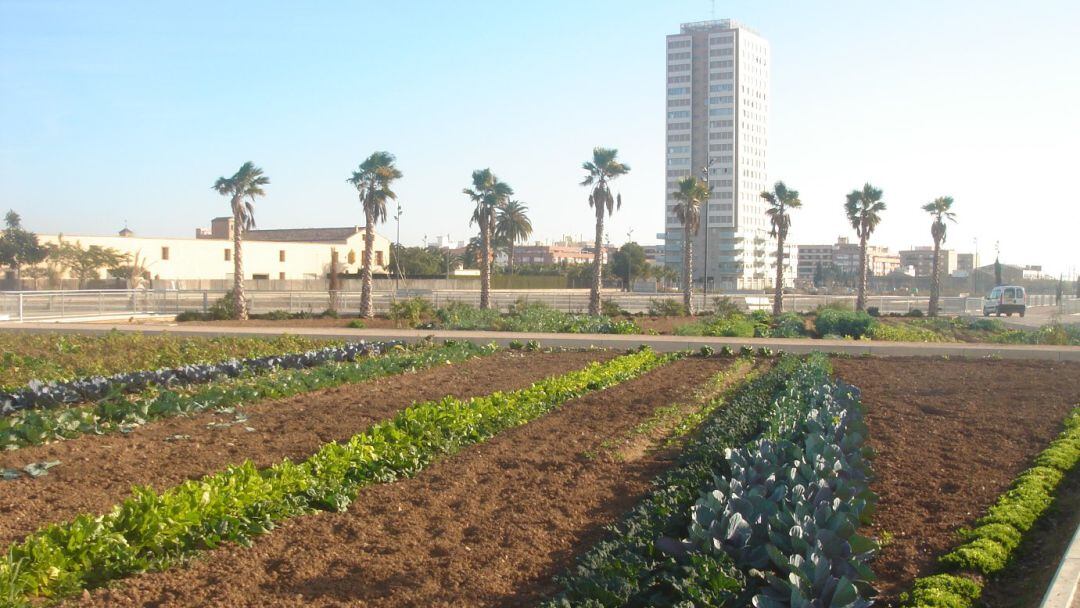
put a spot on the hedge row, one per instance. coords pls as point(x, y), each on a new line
point(628, 568)
point(33, 427)
point(990, 545)
point(51, 394)
point(150, 530)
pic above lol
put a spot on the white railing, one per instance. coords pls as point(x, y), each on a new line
point(85, 304)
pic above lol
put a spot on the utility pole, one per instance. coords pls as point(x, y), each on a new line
point(397, 248)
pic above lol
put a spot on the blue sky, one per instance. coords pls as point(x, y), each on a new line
point(114, 111)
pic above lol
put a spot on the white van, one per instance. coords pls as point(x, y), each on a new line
point(1005, 299)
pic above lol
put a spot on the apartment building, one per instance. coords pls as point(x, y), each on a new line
point(717, 118)
point(919, 262)
point(845, 255)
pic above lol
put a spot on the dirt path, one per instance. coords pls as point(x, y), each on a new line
point(950, 436)
point(489, 526)
point(97, 472)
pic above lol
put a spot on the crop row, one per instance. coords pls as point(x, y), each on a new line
point(740, 524)
point(989, 546)
point(50, 394)
point(51, 357)
point(151, 530)
point(32, 427)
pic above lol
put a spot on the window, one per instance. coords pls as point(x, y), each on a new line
point(678, 149)
point(720, 124)
point(722, 135)
point(678, 44)
point(679, 125)
point(721, 52)
point(678, 161)
point(677, 56)
point(281, 276)
point(679, 137)
point(723, 63)
point(679, 67)
point(679, 114)
point(378, 258)
point(721, 99)
point(720, 148)
point(679, 91)
point(260, 277)
point(228, 255)
point(352, 257)
point(678, 79)
point(722, 39)
point(720, 76)
point(721, 112)
point(281, 255)
point(164, 253)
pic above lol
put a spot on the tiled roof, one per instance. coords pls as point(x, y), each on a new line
point(310, 235)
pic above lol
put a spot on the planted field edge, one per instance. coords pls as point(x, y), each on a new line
point(150, 531)
point(988, 547)
point(33, 427)
point(722, 545)
point(49, 357)
point(52, 394)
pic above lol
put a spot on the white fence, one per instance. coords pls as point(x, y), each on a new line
point(46, 305)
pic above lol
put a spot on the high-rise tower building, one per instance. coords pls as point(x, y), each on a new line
point(717, 121)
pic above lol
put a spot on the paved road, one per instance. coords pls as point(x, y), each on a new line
point(662, 343)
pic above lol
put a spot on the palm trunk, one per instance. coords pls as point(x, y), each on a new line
point(935, 287)
point(238, 269)
point(594, 293)
point(485, 265)
point(860, 300)
point(367, 307)
point(688, 271)
point(510, 263)
point(778, 295)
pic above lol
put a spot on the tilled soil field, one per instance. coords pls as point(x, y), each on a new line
point(488, 526)
point(949, 437)
point(96, 472)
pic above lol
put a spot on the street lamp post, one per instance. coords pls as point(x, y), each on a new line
point(705, 277)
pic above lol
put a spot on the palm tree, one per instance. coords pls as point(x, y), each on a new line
point(941, 210)
point(247, 183)
point(863, 208)
point(372, 182)
point(488, 194)
point(691, 195)
point(780, 200)
point(600, 170)
point(512, 224)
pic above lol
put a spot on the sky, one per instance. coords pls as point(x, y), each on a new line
point(115, 113)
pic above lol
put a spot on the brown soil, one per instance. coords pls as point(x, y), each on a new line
point(376, 323)
point(1025, 579)
point(96, 472)
point(489, 526)
point(949, 437)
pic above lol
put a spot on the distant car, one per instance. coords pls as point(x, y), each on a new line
point(1005, 300)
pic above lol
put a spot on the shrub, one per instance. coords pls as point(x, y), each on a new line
point(223, 308)
point(902, 333)
point(873, 311)
point(459, 315)
point(731, 326)
point(275, 315)
point(843, 305)
point(190, 315)
point(914, 312)
point(356, 324)
point(666, 307)
point(724, 305)
point(843, 323)
point(788, 325)
point(412, 311)
point(610, 308)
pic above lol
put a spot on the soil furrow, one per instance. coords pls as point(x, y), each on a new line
point(488, 526)
point(97, 472)
point(949, 437)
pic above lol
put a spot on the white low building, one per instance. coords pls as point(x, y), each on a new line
point(284, 254)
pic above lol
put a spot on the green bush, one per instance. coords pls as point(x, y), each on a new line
point(736, 325)
point(412, 311)
point(356, 324)
point(610, 308)
point(843, 323)
point(914, 312)
point(788, 325)
point(724, 305)
point(666, 307)
point(980, 555)
point(895, 332)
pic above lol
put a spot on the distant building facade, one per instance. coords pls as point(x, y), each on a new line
point(845, 255)
point(919, 262)
point(303, 253)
